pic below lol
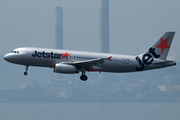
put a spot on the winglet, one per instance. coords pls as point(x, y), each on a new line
point(109, 58)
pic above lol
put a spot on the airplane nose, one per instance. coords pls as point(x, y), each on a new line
point(7, 57)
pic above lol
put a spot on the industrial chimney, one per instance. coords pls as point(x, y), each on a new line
point(104, 26)
point(104, 32)
point(59, 34)
point(59, 27)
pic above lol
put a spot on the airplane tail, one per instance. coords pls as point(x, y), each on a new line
point(161, 48)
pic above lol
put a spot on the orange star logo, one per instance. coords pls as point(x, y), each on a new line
point(163, 44)
point(65, 55)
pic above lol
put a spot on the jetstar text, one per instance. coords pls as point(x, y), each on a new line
point(47, 55)
point(147, 59)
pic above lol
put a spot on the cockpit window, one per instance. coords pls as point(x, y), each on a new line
point(13, 51)
point(17, 52)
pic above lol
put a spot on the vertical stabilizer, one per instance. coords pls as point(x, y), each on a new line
point(161, 48)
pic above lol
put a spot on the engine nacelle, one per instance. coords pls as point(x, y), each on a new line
point(66, 69)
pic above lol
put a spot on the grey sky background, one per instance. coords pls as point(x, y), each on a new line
point(134, 25)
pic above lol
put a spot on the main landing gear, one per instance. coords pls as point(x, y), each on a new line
point(83, 76)
point(25, 73)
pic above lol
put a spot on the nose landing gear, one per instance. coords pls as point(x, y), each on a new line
point(25, 73)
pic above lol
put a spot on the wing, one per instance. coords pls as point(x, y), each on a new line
point(88, 63)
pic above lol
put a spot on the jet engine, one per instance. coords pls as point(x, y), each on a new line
point(66, 69)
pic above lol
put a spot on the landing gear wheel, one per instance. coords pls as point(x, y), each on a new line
point(84, 77)
point(25, 73)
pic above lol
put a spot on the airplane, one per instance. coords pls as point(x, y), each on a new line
point(70, 62)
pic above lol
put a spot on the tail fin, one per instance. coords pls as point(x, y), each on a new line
point(161, 48)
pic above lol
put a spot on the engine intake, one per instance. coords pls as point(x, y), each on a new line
point(66, 69)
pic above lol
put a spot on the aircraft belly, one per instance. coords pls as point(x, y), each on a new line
point(119, 68)
point(38, 62)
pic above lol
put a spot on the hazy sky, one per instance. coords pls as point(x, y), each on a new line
point(134, 24)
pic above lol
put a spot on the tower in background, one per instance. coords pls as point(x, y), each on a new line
point(59, 27)
point(104, 32)
point(104, 26)
point(59, 34)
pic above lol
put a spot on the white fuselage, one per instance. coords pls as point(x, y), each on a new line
point(50, 57)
